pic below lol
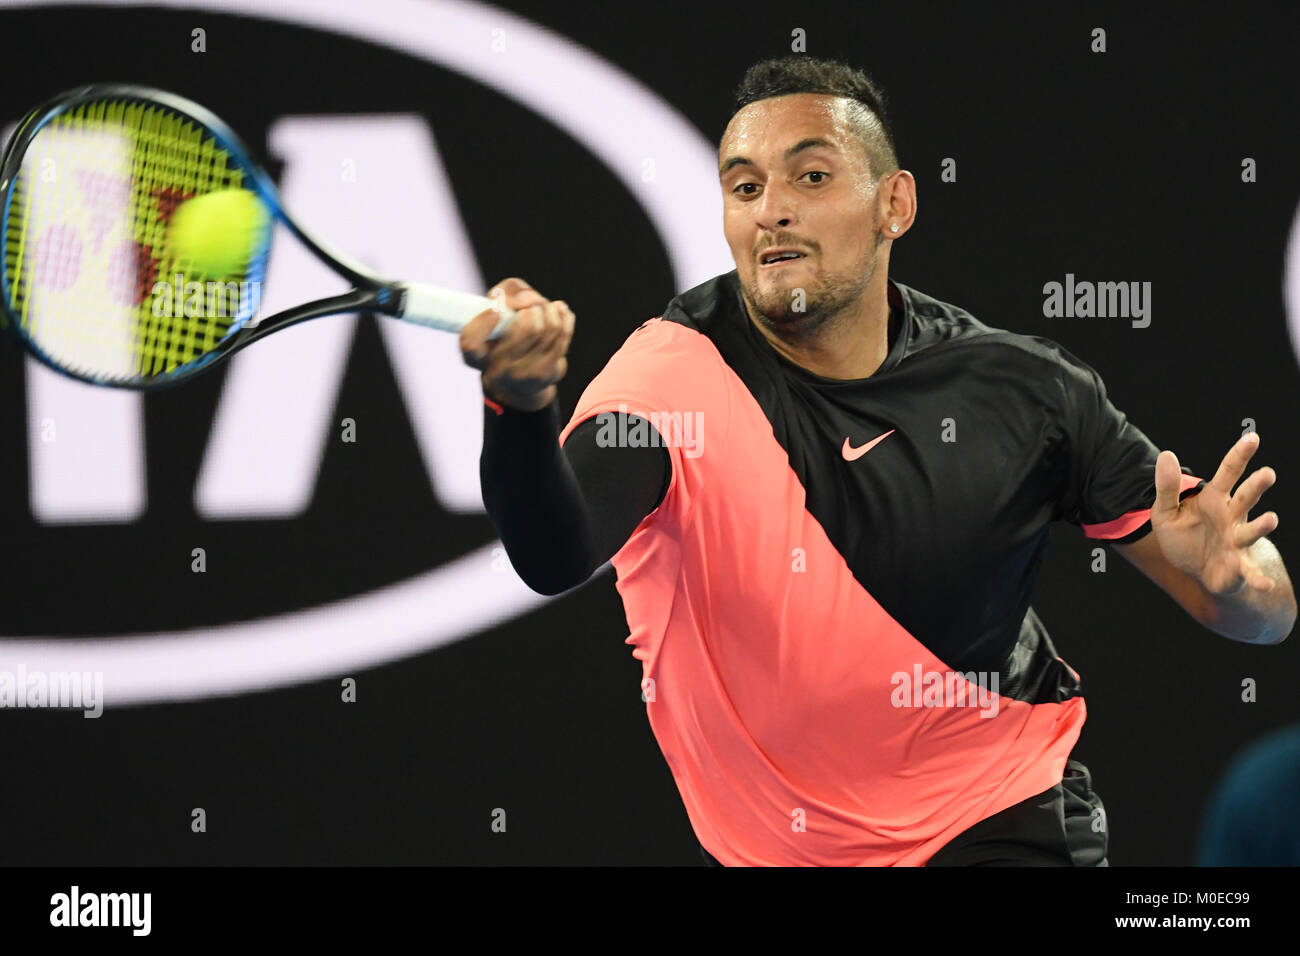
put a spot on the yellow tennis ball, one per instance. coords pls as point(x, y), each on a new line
point(214, 234)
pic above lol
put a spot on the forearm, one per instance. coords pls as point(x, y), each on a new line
point(1253, 616)
point(563, 511)
point(534, 499)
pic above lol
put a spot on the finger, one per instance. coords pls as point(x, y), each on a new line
point(539, 364)
point(474, 345)
point(522, 334)
point(1255, 578)
point(549, 328)
point(570, 321)
point(1234, 462)
point(516, 294)
point(513, 293)
point(1247, 534)
point(555, 362)
point(511, 286)
point(1168, 481)
point(1250, 491)
point(560, 323)
point(554, 327)
point(557, 346)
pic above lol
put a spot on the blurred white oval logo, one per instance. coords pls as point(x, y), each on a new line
point(270, 470)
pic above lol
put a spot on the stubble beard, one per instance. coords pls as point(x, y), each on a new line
point(823, 301)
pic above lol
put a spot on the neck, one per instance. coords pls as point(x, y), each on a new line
point(850, 345)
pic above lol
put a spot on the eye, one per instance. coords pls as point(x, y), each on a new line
point(816, 172)
point(742, 186)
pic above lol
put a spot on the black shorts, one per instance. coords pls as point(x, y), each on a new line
point(1062, 826)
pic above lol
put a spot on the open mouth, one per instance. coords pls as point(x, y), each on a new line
point(777, 257)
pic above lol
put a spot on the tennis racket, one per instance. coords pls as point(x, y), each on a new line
point(92, 283)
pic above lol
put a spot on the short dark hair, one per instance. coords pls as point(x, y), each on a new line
point(782, 76)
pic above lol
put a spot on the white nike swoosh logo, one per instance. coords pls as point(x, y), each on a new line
point(853, 454)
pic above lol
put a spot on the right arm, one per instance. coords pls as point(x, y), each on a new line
point(561, 512)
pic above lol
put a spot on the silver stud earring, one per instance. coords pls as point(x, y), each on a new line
point(894, 228)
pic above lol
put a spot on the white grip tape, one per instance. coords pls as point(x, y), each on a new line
point(447, 310)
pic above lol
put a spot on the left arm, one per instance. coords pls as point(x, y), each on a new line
point(1212, 560)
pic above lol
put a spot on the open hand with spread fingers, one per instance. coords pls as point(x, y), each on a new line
point(1209, 535)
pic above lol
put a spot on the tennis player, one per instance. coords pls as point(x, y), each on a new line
point(827, 495)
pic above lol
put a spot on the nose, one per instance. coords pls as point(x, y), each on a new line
point(776, 207)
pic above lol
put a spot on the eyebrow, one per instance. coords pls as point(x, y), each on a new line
point(812, 142)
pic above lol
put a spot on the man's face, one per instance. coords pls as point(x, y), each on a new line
point(806, 185)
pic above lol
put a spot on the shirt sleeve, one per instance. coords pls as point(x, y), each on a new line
point(562, 513)
point(1110, 485)
point(669, 380)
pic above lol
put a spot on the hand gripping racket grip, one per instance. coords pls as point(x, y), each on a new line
point(447, 310)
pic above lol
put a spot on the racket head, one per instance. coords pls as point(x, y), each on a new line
point(91, 283)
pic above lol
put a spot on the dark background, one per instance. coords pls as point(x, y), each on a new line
point(1116, 166)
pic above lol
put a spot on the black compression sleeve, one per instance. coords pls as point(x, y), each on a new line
point(562, 512)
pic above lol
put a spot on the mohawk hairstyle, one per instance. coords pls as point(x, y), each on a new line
point(804, 74)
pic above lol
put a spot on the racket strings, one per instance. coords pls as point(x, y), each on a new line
point(90, 275)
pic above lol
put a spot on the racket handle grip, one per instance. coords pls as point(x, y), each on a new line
point(445, 309)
